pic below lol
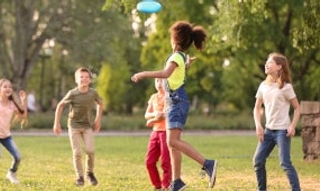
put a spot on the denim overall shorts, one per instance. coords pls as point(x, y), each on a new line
point(177, 107)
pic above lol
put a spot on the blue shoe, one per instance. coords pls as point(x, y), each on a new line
point(177, 185)
point(210, 167)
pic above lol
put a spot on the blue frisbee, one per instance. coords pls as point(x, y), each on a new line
point(149, 6)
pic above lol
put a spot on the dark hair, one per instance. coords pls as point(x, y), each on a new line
point(184, 34)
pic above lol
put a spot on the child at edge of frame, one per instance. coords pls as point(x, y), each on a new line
point(13, 107)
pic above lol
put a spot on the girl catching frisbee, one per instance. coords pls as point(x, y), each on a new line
point(183, 35)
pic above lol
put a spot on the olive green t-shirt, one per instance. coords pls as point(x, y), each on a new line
point(81, 106)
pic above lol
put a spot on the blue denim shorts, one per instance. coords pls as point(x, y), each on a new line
point(177, 108)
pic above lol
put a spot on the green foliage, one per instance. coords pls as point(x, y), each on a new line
point(250, 30)
point(239, 84)
point(47, 164)
point(123, 122)
point(313, 79)
point(103, 81)
point(203, 78)
point(219, 119)
point(99, 35)
point(114, 86)
point(125, 5)
point(83, 35)
point(43, 120)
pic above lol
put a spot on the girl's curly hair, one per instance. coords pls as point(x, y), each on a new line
point(184, 34)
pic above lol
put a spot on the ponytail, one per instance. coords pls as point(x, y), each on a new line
point(184, 34)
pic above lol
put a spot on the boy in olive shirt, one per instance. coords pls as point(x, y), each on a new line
point(81, 100)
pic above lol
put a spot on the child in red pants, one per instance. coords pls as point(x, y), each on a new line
point(157, 146)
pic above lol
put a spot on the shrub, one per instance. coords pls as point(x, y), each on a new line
point(137, 122)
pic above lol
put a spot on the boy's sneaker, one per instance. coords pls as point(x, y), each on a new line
point(210, 168)
point(92, 179)
point(79, 181)
point(12, 176)
point(177, 185)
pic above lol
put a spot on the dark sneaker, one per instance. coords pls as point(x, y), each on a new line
point(210, 167)
point(177, 185)
point(79, 181)
point(92, 179)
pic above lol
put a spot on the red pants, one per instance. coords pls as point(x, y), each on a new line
point(157, 148)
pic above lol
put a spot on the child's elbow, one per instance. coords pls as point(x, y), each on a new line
point(60, 105)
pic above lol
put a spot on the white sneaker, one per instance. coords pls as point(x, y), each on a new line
point(12, 176)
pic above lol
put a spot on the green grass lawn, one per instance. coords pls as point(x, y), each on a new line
point(47, 164)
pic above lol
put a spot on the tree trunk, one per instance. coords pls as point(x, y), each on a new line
point(25, 48)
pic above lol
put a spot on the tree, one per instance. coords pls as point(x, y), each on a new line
point(25, 26)
point(83, 34)
point(242, 34)
point(250, 30)
point(203, 77)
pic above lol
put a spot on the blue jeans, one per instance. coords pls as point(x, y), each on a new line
point(177, 104)
point(272, 138)
point(10, 145)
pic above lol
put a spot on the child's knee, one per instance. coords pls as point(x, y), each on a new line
point(89, 151)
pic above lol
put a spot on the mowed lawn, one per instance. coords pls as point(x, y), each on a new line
point(47, 164)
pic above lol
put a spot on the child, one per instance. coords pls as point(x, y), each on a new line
point(81, 100)
point(183, 34)
point(10, 105)
point(157, 146)
point(276, 94)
